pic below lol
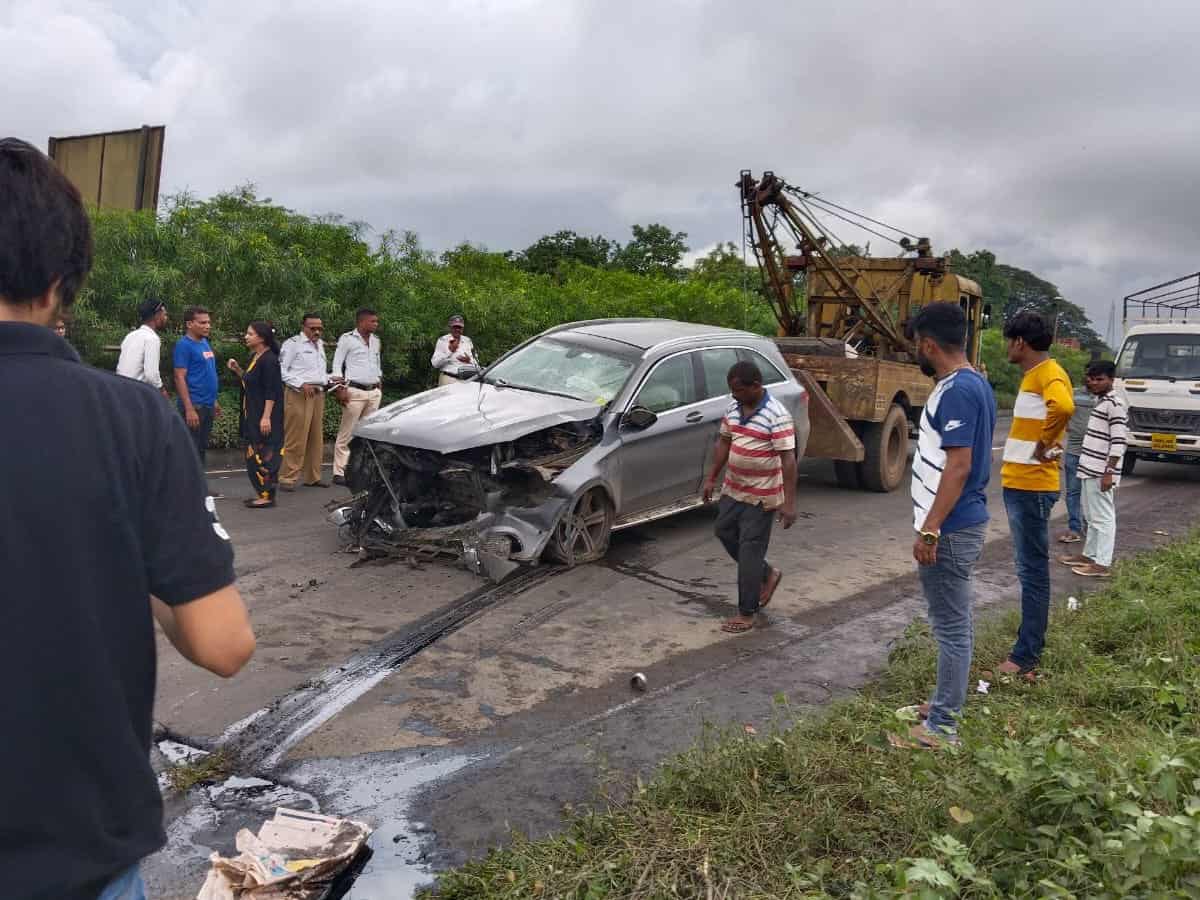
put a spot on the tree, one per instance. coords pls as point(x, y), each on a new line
point(1010, 289)
point(654, 250)
point(547, 254)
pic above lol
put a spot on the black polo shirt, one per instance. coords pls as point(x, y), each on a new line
point(102, 502)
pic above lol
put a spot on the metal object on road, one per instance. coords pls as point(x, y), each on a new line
point(638, 681)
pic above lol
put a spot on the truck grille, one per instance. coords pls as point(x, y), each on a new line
point(1164, 420)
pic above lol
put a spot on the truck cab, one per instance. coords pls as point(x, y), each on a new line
point(1158, 377)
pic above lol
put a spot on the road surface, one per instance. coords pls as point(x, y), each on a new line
point(445, 712)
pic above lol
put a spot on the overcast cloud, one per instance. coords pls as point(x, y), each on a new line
point(1062, 136)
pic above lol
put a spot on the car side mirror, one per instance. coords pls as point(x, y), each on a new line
point(639, 417)
point(987, 314)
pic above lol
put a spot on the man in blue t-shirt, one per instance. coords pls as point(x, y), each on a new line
point(949, 483)
point(196, 377)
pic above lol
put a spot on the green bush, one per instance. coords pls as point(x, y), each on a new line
point(245, 258)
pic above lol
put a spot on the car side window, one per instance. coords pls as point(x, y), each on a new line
point(716, 364)
point(770, 372)
point(672, 384)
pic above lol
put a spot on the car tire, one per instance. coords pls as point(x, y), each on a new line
point(885, 445)
point(1128, 463)
point(583, 532)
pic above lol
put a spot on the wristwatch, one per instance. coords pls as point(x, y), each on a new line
point(929, 538)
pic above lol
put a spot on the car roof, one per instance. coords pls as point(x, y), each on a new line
point(647, 333)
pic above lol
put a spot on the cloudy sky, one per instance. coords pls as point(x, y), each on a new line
point(1064, 136)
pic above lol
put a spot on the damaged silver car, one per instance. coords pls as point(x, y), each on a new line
point(585, 429)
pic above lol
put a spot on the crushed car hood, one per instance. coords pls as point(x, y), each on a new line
point(471, 414)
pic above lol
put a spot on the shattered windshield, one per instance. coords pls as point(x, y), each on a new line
point(1170, 356)
point(566, 366)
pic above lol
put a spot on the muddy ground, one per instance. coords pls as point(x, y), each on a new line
point(445, 712)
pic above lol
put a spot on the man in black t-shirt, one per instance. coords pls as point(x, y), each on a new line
point(104, 524)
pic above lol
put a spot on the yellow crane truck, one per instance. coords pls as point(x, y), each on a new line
point(842, 324)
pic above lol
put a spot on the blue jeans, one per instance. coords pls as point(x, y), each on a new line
point(1071, 490)
point(1029, 523)
point(949, 593)
point(126, 886)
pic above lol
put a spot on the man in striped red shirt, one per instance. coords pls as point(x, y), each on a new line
point(757, 450)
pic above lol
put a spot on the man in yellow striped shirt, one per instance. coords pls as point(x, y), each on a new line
point(1030, 476)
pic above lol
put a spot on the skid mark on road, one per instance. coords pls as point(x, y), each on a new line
point(264, 739)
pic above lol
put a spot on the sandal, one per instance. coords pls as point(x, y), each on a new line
point(1072, 560)
point(259, 504)
point(733, 626)
point(1069, 537)
point(773, 578)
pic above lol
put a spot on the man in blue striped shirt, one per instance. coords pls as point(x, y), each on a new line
point(949, 480)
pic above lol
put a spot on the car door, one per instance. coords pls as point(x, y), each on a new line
point(663, 463)
point(715, 363)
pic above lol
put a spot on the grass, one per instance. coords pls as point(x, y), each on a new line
point(1086, 783)
point(207, 769)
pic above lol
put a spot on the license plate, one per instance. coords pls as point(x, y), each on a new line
point(1163, 442)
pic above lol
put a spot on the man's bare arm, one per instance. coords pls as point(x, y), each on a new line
point(213, 632)
point(720, 458)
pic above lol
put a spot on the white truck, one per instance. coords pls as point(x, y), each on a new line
point(1158, 372)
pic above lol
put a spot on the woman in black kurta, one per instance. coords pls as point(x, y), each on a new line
point(261, 422)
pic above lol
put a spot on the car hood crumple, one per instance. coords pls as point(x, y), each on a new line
point(470, 414)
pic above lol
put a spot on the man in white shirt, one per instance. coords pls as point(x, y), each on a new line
point(302, 365)
point(454, 354)
point(141, 348)
point(357, 364)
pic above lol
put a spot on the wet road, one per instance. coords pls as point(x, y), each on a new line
point(443, 711)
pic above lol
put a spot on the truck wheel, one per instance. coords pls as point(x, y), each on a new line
point(1128, 462)
point(886, 446)
point(847, 474)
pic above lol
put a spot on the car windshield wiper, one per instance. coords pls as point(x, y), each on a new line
point(500, 382)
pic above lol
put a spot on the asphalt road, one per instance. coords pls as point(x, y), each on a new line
point(445, 713)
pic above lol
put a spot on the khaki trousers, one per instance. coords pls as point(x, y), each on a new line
point(303, 445)
point(361, 403)
point(443, 378)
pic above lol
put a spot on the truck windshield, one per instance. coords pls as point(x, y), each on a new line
point(1169, 356)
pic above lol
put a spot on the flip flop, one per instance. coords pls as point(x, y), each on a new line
point(1076, 560)
point(1069, 538)
point(766, 598)
point(731, 627)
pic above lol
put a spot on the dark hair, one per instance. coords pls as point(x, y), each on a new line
point(45, 235)
point(1030, 327)
point(309, 315)
point(745, 372)
point(1105, 367)
point(192, 311)
point(149, 308)
point(266, 331)
point(944, 323)
point(363, 312)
